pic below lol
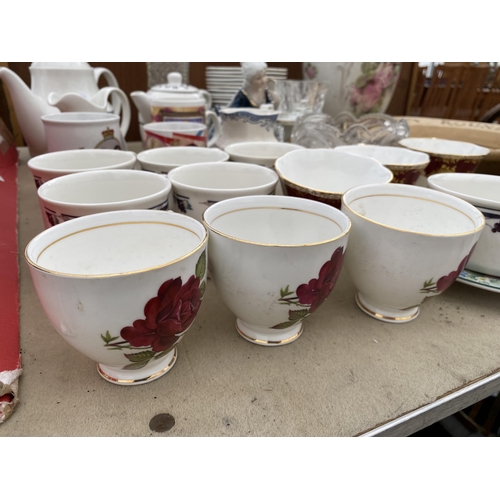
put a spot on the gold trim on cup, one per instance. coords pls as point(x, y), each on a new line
point(312, 190)
point(415, 232)
point(270, 342)
point(138, 381)
point(383, 317)
point(127, 273)
point(277, 245)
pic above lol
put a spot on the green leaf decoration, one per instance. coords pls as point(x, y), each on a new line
point(298, 314)
point(203, 287)
point(285, 292)
point(201, 266)
point(428, 283)
point(140, 357)
point(135, 366)
point(282, 326)
point(163, 353)
point(104, 339)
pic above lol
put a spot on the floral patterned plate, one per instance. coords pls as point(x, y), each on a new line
point(479, 280)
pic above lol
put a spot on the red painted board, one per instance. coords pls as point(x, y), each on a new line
point(10, 358)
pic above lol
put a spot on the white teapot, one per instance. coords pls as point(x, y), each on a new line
point(61, 86)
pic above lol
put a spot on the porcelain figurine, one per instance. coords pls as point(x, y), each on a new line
point(255, 91)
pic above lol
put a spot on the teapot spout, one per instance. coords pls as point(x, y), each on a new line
point(29, 110)
point(143, 104)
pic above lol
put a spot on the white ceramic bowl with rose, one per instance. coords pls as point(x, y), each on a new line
point(274, 260)
point(326, 174)
point(407, 244)
point(482, 191)
point(122, 287)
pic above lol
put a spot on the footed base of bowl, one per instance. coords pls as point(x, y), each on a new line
point(385, 313)
point(269, 337)
point(150, 372)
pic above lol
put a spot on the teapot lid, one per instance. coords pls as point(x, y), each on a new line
point(174, 85)
point(60, 65)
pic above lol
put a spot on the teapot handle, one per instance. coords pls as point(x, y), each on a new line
point(207, 96)
point(111, 82)
point(212, 118)
point(120, 96)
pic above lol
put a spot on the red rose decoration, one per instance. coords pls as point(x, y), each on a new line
point(446, 281)
point(317, 290)
point(167, 315)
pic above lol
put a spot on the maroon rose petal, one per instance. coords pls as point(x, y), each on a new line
point(166, 316)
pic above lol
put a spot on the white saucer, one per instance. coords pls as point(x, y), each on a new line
point(479, 280)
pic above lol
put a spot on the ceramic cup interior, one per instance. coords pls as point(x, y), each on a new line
point(163, 160)
point(329, 172)
point(261, 153)
point(264, 251)
point(389, 156)
point(407, 244)
point(84, 193)
point(51, 165)
point(444, 147)
point(223, 176)
point(97, 277)
point(482, 191)
point(416, 212)
point(274, 220)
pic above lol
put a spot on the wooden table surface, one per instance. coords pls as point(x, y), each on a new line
point(347, 375)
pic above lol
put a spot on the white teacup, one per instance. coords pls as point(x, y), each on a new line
point(85, 130)
point(482, 191)
point(407, 243)
point(168, 134)
point(260, 153)
point(87, 193)
point(163, 160)
point(122, 287)
point(274, 260)
point(51, 165)
point(196, 187)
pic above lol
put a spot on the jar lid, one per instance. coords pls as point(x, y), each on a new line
point(174, 85)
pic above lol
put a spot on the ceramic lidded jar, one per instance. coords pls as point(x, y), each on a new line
point(177, 101)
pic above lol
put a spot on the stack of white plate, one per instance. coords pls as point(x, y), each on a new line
point(224, 81)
